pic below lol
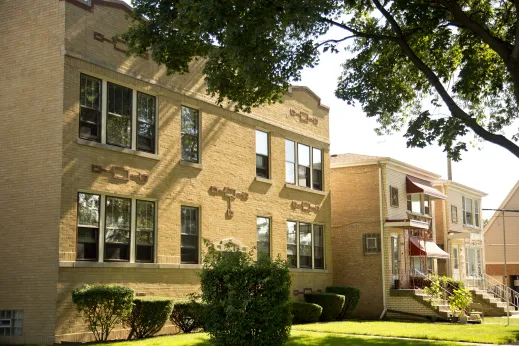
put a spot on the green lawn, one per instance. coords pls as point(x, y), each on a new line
point(490, 332)
point(297, 338)
point(502, 320)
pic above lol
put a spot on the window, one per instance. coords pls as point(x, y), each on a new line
point(455, 257)
point(317, 169)
point(476, 213)
point(371, 243)
point(107, 115)
point(309, 169)
point(430, 265)
point(318, 247)
point(290, 161)
point(393, 196)
point(189, 134)
point(414, 203)
point(292, 244)
point(454, 214)
point(11, 322)
point(262, 154)
point(117, 229)
point(90, 108)
point(467, 211)
point(427, 205)
point(145, 122)
point(395, 255)
point(303, 165)
point(305, 245)
point(189, 235)
point(145, 231)
point(87, 227)
point(119, 116)
point(263, 232)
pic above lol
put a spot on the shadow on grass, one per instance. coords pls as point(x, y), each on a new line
point(336, 340)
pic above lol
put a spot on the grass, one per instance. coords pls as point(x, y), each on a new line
point(297, 338)
point(501, 320)
point(491, 333)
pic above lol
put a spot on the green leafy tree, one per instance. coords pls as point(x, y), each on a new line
point(441, 68)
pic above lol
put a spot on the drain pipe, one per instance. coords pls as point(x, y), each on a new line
point(380, 190)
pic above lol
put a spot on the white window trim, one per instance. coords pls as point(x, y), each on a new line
point(270, 233)
point(104, 114)
point(298, 267)
point(269, 155)
point(296, 163)
point(133, 226)
point(473, 206)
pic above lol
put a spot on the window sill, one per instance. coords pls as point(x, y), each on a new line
point(263, 180)
point(308, 270)
point(305, 189)
point(191, 164)
point(472, 228)
point(87, 264)
point(117, 149)
point(419, 215)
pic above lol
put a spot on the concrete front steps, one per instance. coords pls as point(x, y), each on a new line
point(440, 307)
point(492, 306)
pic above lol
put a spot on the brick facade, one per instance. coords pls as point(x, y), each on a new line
point(47, 165)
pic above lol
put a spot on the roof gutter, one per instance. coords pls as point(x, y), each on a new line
point(380, 191)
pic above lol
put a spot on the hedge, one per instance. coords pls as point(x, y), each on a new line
point(247, 300)
point(351, 298)
point(331, 303)
point(187, 315)
point(148, 316)
point(305, 312)
point(103, 306)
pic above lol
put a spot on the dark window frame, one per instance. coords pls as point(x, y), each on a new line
point(99, 111)
point(183, 134)
point(393, 196)
point(96, 242)
point(263, 171)
point(129, 231)
point(368, 250)
point(197, 236)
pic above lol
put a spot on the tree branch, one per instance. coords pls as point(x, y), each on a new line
point(335, 41)
point(356, 32)
point(455, 110)
point(515, 51)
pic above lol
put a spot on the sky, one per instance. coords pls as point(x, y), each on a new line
point(488, 168)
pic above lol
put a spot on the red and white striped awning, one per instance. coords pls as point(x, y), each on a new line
point(427, 248)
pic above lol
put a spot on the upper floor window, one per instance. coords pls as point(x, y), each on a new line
point(470, 211)
point(107, 115)
point(427, 205)
point(189, 235)
point(414, 203)
point(476, 213)
point(393, 196)
point(303, 165)
point(117, 228)
point(371, 243)
point(454, 214)
point(263, 234)
point(190, 134)
point(305, 245)
point(262, 154)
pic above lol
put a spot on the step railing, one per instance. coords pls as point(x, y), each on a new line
point(495, 288)
point(445, 294)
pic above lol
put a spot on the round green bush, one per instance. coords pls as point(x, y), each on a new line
point(187, 315)
point(148, 316)
point(351, 298)
point(305, 312)
point(330, 302)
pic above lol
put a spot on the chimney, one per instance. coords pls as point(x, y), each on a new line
point(449, 168)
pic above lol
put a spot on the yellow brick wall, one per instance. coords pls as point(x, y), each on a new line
point(227, 159)
point(31, 103)
point(355, 211)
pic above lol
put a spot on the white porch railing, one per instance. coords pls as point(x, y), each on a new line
point(494, 287)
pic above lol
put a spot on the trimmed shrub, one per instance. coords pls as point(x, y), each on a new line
point(330, 302)
point(247, 300)
point(351, 298)
point(305, 312)
point(103, 306)
point(148, 316)
point(187, 315)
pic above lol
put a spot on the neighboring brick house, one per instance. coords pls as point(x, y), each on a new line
point(459, 231)
point(494, 243)
point(383, 232)
point(113, 172)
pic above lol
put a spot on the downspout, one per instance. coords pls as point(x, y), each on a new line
point(380, 191)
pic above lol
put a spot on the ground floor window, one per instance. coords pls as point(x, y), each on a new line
point(107, 224)
point(11, 322)
point(189, 235)
point(263, 234)
point(305, 245)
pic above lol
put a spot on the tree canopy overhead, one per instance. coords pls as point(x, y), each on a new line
point(405, 57)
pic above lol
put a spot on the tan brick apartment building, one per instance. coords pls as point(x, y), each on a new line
point(383, 231)
point(114, 172)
